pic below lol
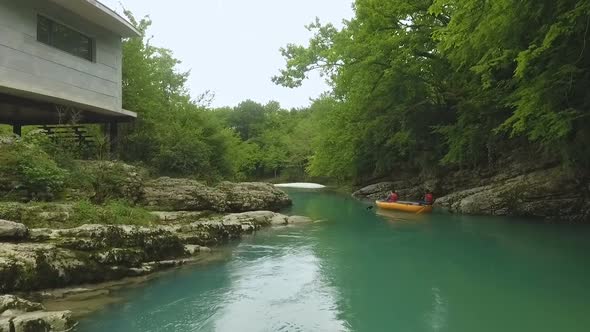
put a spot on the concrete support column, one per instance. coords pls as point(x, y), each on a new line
point(113, 137)
point(17, 129)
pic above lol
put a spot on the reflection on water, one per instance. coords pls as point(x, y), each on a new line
point(401, 217)
point(437, 317)
point(284, 292)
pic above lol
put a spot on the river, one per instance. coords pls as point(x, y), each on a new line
point(358, 270)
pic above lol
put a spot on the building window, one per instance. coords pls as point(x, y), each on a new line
point(60, 36)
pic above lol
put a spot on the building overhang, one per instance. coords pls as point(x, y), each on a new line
point(22, 108)
point(101, 15)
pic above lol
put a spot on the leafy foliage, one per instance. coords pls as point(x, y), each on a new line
point(273, 142)
point(417, 84)
point(103, 181)
point(25, 166)
point(174, 135)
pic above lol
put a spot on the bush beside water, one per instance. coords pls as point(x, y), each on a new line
point(27, 170)
point(43, 185)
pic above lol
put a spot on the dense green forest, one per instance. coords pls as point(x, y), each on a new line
point(182, 136)
point(422, 84)
point(415, 85)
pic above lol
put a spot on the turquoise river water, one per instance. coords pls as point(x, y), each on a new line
point(363, 270)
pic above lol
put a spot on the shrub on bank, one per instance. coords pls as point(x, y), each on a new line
point(36, 170)
point(111, 213)
point(27, 171)
point(102, 181)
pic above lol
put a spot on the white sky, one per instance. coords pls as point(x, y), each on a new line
point(232, 46)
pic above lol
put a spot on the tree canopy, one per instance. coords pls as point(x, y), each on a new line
point(419, 85)
point(424, 83)
point(173, 134)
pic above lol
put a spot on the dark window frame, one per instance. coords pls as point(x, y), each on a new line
point(49, 40)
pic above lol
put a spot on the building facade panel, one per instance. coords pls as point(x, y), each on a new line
point(32, 68)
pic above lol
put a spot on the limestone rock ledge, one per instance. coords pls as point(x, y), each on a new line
point(11, 231)
point(169, 194)
point(19, 315)
point(56, 258)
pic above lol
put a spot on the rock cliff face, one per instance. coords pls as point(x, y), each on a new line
point(168, 194)
point(546, 193)
point(531, 190)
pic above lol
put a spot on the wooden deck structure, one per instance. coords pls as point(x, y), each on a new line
point(18, 112)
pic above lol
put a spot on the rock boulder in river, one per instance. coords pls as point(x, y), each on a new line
point(169, 194)
point(264, 218)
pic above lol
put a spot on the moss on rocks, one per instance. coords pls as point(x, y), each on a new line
point(67, 215)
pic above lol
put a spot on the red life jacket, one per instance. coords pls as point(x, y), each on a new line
point(429, 199)
point(393, 197)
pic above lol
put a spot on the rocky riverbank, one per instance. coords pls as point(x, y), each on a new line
point(544, 190)
point(40, 259)
point(37, 259)
point(188, 221)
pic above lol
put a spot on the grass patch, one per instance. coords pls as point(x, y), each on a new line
point(111, 213)
point(60, 215)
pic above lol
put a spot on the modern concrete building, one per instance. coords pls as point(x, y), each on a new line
point(61, 60)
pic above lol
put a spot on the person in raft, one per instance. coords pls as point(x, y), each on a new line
point(393, 197)
point(428, 199)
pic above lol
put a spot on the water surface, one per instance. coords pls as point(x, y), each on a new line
point(364, 270)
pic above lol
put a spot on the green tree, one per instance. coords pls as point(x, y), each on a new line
point(417, 84)
point(173, 134)
point(389, 82)
point(533, 56)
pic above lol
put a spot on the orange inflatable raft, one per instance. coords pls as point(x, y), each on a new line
point(412, 207)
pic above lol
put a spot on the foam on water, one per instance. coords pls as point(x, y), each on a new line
point(300, 185)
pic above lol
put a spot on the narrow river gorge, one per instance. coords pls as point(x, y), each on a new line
point(358, 269)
